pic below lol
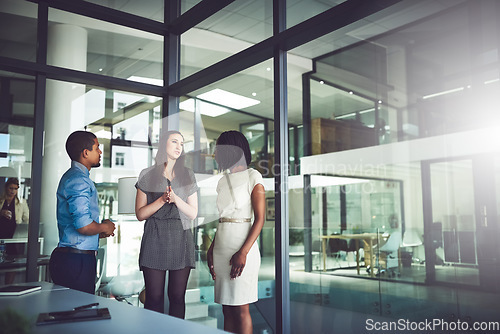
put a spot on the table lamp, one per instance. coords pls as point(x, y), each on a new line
point(126, 195)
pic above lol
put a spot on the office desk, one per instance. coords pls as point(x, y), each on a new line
point(368, 237)
point(22, 241)
point(19, 264)
point(125, 319)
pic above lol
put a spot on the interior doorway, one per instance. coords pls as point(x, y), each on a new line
point(461, 221)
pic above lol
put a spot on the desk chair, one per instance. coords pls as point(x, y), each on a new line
point(370, 254)
point(316, 251)
point(338, 248)
point(351, 247)
point(390, 251)
point(101, 258)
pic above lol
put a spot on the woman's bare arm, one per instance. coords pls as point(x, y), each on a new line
point(238, 260)
point(143, 210)
point(189, 207)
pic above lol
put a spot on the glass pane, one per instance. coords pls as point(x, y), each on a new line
point(301, 10)
point(403, 105)
point(152, 9)
point(19, 17)
point(188, 4)
point(221, 108)
point(17, 96)
point(94, 46)
point(258, 140)
point(341, 120)
point(126, 126)
point(238, 26)
point(453, 181)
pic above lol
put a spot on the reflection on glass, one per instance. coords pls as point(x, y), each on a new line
point(19, 17)
point(236, 27)
point(17, 95)
point(188, 4)
point(340, 119)
point(126, 125)
point(104, 48)
point(301, 10)
point(220, 107)
point(456, 216)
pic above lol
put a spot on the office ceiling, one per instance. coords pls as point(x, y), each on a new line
point(124, 52)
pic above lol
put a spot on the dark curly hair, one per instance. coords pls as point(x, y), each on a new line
point(79, 141)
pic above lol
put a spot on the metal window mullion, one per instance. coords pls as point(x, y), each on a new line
point(197, 14)
point(33, 250)
point(197, 137)
point(171, 68)
point(281, 178)
point(306, 121)
point(281, 194)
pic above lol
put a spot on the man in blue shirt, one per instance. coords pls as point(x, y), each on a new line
point(73, 263)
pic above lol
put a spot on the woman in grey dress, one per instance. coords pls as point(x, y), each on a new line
point(167, 199)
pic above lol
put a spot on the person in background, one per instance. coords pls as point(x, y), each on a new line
point(13, 211)
point(233, 257)
point(166, 197)
point(73, 263)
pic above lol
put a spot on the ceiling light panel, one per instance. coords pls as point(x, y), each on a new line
point(228, 99)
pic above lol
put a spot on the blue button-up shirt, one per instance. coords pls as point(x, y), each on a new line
point(77, 206)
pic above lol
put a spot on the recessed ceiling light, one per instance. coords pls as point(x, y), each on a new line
point(321, 82)
point(157, 82)
point(228, 99)
point(491, 81)
point(366, 110)
point(254, 94)
point(207, 109)
point(268, 69)
point(100, 70)
point(351, 92)
point(443, 93)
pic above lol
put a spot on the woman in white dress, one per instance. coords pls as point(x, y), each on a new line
point(233, 256)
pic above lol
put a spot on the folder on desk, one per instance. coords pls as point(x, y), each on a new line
point(73, 316)
point(17, 290)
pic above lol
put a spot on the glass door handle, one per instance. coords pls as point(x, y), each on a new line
point(484, 216)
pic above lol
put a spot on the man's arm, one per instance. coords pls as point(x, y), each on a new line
point(78, 194)
point(105, 229)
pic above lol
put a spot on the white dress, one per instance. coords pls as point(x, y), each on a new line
point(231, 236)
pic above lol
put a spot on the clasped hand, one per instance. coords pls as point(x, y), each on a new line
point(169, 196)
point(6, 213)
point(110, 229)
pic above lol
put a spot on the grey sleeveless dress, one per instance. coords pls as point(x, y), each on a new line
point(165, 244)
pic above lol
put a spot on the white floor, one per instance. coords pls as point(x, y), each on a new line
point(341, 299)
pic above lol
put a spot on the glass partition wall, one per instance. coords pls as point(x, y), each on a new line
point(410, 202)
point(17, 94)
point(386, 204)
